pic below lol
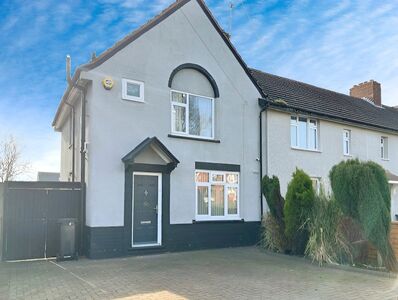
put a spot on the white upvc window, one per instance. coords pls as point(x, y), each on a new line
point(346, 142)
point(192, 115)
point(384, 147)
point(316, 184)
point(304, 133)
point(132, 90)
point(217, 195)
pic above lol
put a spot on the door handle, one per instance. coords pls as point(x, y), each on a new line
point(156, 209)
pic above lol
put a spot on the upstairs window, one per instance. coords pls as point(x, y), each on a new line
point(132, 90)
point(384, 147)
point(346, 142)
point(217, 195)
point(192, 115)
point(303, 133)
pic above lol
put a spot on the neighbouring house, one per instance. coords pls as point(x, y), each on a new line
point(313, 129)
point(166, 132)
point(48, 176)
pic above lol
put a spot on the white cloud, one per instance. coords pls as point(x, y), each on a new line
point(338, 9)
point(330, 44)
point(324, 43)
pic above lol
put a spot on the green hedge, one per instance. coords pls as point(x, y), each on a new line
point(362, 192)
point(273, 225)
point(272, 193)
point(298, 206)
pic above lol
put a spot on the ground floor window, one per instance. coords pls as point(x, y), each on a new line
point(217, 195)
point(316, 184)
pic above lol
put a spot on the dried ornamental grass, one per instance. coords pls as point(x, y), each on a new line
point(327, 242)
point(272, 235)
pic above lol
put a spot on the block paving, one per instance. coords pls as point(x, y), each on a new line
point(232, 273)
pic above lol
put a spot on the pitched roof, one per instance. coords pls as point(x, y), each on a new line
point(129, 157)
point(119, 45)
point(391, 176)
point(143, 29)
point(315, 100)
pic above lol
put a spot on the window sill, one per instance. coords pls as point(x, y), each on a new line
point(306, 150)
point(193, 138)
point(237, 220)
point(133, 100)
point(348, 155)
point(136, 249)
point(385, 159)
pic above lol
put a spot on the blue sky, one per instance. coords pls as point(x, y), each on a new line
point(332, 44)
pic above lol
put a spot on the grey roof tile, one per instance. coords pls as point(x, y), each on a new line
point(307, 97)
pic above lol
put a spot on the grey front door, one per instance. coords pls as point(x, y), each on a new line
point(145, 210)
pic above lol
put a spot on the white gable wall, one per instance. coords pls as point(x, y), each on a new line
point(116, 126)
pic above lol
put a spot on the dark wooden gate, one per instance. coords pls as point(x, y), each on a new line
point(31, 213)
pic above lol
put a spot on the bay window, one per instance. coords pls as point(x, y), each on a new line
point(217, 195)
point(192, 115)
point(304, 133)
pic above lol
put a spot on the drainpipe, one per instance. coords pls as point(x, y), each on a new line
point(69, 80)
point(82, 149)
point(83, 163)
point(73, 139)
point(263, 103)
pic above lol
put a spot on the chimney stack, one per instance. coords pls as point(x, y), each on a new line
point(369, 90)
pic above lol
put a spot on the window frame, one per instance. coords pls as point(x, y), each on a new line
point(347, 139)
point(384, 147)
point(318, 184)
point(186, 106)
point(309, 127)
point(226, 216)
point(126, 96)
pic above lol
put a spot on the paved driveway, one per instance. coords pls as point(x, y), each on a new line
point(234, 273)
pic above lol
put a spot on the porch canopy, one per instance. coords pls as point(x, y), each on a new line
point(392, 178)
point(151, 152)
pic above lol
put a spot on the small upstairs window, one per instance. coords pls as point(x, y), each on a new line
point(384, 147)
point(132, 90)
point(346, 142)
point(304, 133)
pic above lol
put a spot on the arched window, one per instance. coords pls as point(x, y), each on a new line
point(193, 91)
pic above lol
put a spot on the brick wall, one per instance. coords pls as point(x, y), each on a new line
point(372, 252)
point(370, 90)
point(394, 237)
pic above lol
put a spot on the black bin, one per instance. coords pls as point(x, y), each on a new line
point(67, 239)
